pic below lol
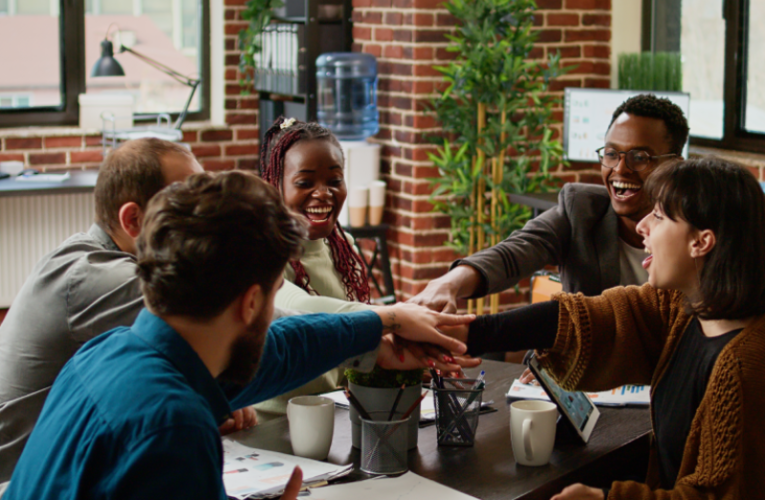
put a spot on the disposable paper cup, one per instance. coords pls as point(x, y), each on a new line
point(358, 197)
point(377, 194)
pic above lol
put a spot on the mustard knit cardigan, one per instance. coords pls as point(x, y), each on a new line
point(627, 336)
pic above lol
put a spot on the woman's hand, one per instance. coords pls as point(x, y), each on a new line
point(399, 354)
point(244, 418)
point(418, 324)
point(579, 492)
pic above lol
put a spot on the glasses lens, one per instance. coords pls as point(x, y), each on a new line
point(638, 160)
point(609, 157)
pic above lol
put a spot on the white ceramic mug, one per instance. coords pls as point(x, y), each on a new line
point(312, 424)
point(532, 431)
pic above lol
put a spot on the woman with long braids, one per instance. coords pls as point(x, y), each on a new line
point(304, 162)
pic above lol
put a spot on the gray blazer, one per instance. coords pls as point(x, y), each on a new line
point(579, 235)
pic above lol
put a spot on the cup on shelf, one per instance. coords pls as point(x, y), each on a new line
point(376, 202)
point(358, 200)
point(312, 424)
point(532, 431)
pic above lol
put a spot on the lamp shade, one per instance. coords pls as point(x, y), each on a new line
point(107, 65)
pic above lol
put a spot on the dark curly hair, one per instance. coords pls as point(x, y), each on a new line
point(207, 240)
point(650, 106)
point(348, 263)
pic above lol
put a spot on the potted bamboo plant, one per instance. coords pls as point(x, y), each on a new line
point(377, 391)
point(495, 114)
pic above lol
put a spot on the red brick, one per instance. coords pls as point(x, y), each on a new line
point(190, 136)
point(241, 119)
point(231, 74)
point(549, 4)
point(63, 142)
point(537, 53)
point(401, 69)
point(394, 51)
point(383, 34)
point(11, 157)
point(233, 28)
point(47, 158)
point(234, 2)
point(588, 4)
point(381, 3)
point(393, 18)
point(423, 20)
point(557, 85)
point(443, 19)
point(596, 20)
point(563, 19)
point(248, 103)
point(247, 134)
point(566, 51)
point(23, 143)
point(217, 135)
point(360, 33)
point(219, 165)
point(426, 70)
point(427, 4)
point(93, 140)
point(206, 150)
point(547, 36)
point(234, 90)
point(362, 3)
point(435, 36)
point(599, 51)
point(240, 150)
point(402, 4)
point(423, 87)
point(403, 35)
point(588, 35)
point(374, 49)
point(230, 104)
point(94, 156)
point(229, 44)
point(247, 164)
point(229, 14)
point(600, 83)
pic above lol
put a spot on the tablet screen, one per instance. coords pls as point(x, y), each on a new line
point(576, 404)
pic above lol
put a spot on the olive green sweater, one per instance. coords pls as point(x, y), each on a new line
point(317, 261)
point(627, 336)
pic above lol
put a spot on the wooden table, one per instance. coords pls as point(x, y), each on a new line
point(488, 470)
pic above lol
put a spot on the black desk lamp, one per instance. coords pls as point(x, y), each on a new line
point(107, 65)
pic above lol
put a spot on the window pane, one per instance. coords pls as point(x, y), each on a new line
point(755, 82)
point(702, 44)
point(31, 55)
point(115, 7)
point(158, 33)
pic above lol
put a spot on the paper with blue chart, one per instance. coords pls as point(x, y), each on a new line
point(250, 471)
point(626, 395)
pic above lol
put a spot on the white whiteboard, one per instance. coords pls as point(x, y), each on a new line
point(587, 114)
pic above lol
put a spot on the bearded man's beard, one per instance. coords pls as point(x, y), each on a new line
point(245, 357)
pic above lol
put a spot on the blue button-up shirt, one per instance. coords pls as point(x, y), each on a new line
point(135, 412)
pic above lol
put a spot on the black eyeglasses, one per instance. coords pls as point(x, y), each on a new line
point(636, 159)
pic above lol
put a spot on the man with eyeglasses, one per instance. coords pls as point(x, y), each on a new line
point(591, 233)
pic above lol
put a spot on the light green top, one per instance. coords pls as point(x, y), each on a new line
point(324, 278)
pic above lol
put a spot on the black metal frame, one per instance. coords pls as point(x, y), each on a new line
point(73, 71)
point(735, 136)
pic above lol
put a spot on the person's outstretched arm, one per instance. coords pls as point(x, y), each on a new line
point(300, 348)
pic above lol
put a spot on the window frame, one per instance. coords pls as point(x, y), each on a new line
point(74, 73)
point(735, 135)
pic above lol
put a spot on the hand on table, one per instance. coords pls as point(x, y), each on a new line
point(243, 418)
point(579, 492)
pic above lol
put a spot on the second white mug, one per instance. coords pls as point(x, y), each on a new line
point(532, 431)
point(312, 424)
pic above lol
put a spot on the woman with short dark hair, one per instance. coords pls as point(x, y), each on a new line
point(695, 332)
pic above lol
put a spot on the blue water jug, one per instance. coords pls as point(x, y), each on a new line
point(347, 94)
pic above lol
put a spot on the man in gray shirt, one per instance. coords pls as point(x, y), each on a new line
point(85, 287)
point(591, 234)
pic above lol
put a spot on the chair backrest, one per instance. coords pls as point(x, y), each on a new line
point(543, 285)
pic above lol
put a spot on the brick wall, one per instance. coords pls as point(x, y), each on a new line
point(407, 36)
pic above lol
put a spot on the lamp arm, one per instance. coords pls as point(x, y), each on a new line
point(180, 78)
point(182, 116)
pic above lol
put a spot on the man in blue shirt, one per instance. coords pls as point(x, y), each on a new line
point(134, 413)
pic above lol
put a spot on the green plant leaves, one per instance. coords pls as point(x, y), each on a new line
point(493, 43)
